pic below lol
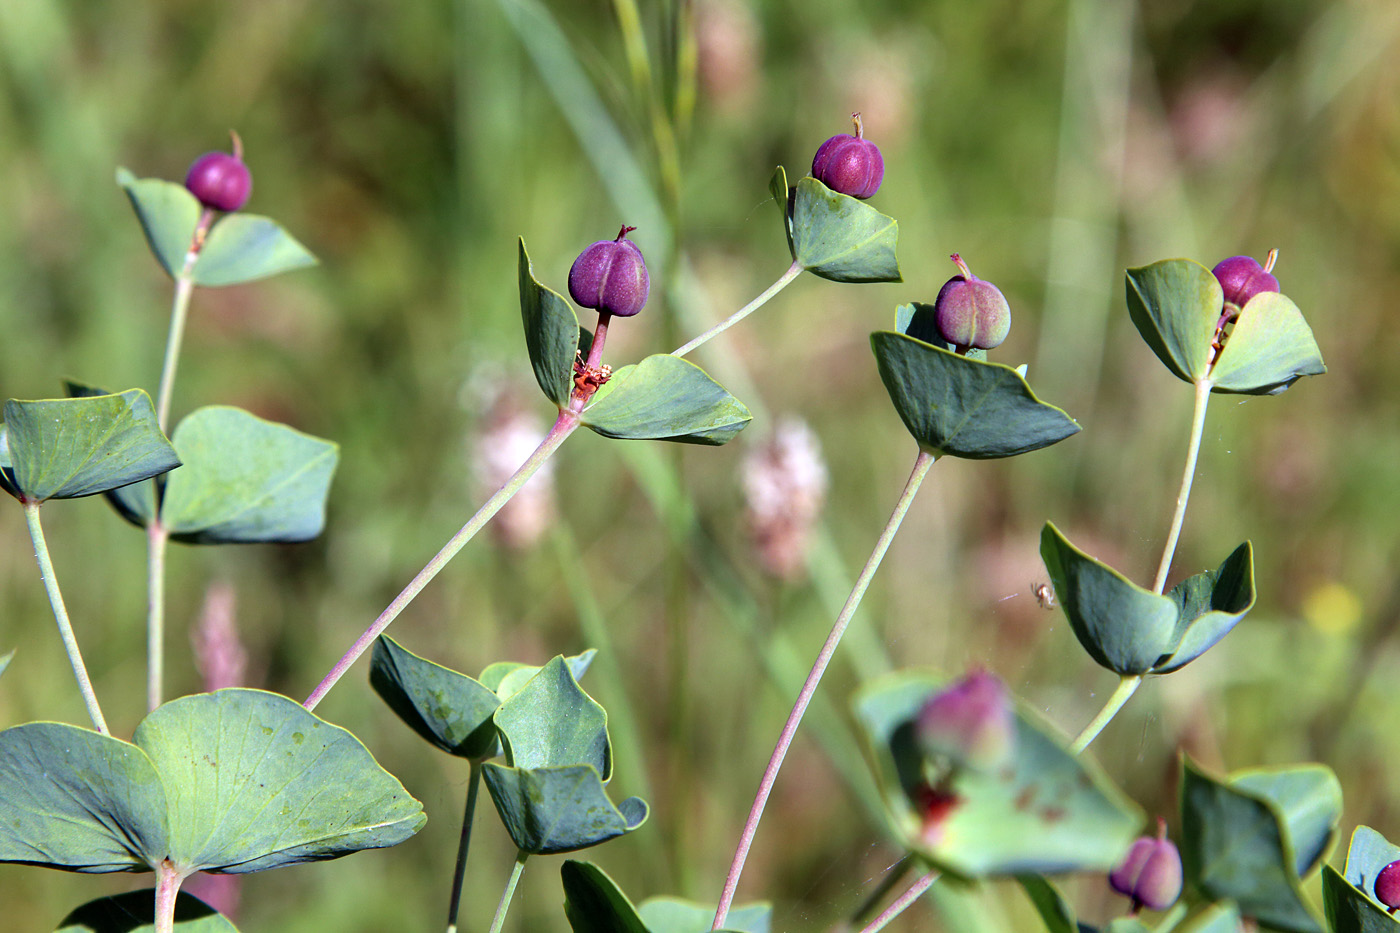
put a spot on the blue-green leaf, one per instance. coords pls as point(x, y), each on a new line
point(559, 809)
point(1175, 305)
point(246, 247)
point(841, 238)
point(168, 214)
point(448, 709)
point(665, 397)
point(1270, 348)
point(553, 336)
point(593, 903)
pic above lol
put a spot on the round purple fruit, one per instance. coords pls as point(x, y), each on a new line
point(1387, 886)
point(850, 164)
point(1151, 872)
point(1242, 278)
point(220, 180)
point(611, 276)
point(970, 312)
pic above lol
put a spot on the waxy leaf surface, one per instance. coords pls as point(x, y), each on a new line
point(1044, 811)
point(962, 407)
point(841, 238)
point(246, 480)
point(1133, 631)
point(135, 503)
point(668, 398)
point(1349, 900)
point(71, 447)
point(448, 709)
point(1270, 348)
point(1236, 846)
point(553, 336)
point(134, 912)
point(233, 781)
point(168, 214)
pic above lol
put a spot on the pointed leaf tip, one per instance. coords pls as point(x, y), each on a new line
point(841, 238)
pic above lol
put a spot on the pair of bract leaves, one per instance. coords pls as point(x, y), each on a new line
point(1176, 304)
point(550, 793)
point(1251, 837)
point(1133, 631)
point(1348, 898)
point(232, 781)
point(1059, 916)
point(661, 398)
point(1043, 811)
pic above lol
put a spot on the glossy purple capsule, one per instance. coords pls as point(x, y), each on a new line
point(1242, 278)
point(611, 276)
point(1387, 886)
point(850, 164)
point(1151, 872)
point(971, 722)
point(220, 180)
point(971, 313)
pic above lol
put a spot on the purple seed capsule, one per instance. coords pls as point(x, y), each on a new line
point(611, 276)
point(850, 164)
point(220, 180)
point(970, 722)
point(1242, 278)
point(1151, 872)
point(970, 312)
point(1387, 886)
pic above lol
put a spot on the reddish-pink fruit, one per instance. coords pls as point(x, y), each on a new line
point(1151, 873)
point(1387, 886)
point(970, 722)
point(611, 276)
point(1242, 278)
point(220, 180)
point(970, 312)
point(850, 164)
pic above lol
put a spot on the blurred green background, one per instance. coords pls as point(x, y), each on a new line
point(1050, 142)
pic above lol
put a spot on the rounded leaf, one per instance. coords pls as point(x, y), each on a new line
point(1210, 605)
point(448, 709)
point(246, 480)
point(841, 238)
point(506, 678)
point(1309, 798)
point(667, 398)
point(247, 247)
point(67, 448)
point(1175, 305)
point(1270, 347)
point(1045, 811)
point(551, 721)
point(134, 912)
point(1367, 854)
point(552, 334)
point(168, 214)
point(559, 809)
point(593, 903)
point(674, 915)
point(962, 407)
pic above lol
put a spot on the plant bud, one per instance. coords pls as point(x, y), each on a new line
point(1242, 278)
point(1387, 886)
point(970, 722)
point(970, 312)
point(850, 164)
point(1151, 873)
point(220, 180)
point(611, 276)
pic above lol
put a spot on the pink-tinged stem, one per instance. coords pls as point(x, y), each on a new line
point(167, 890)
point(915, 891)
point(809, 688)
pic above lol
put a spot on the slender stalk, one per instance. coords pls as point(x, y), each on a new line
point(473, 785)
point(915, 891)
point(156, 539)
point(1126, 688)
point(792, 272)
point(499, 920)
point(896, 873)
point(563, 427)
point(809, 688)
point(167, 890)
point(60, 615)
point(1198, 424)
point(179, 311)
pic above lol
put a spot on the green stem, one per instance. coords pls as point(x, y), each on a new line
point(499, 920)
point(179, 311)
point(563, 427)
point(156, 539)
point(792, 272)
point(915, 891)
point(60, 615)
point(459, 874)
point(809, 688)
point(1198, 424)
point(167, 891)
point(1126, 687)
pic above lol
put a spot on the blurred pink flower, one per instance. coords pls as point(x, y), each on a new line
point(505, 441)
point(785, 484)
point(219, 655)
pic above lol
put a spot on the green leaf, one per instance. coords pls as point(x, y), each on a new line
point(79, 801)
point(551, 721)
point(593, 903)
point(246, 480)
point(552, 334)
point(778, 187)
point(448, 709)
point(135, 503)
point(1055, 911)
point(841, 238)
point(1045, 811)
point(1368, 853)
point(66, 448)
point(1270, 347)
point(1218, 918)
point(506, 678)
point(134, 912)
point(247, 247)
point(962, 407)
point(674, 915)
point(255, 781)
point(1235, 846)
point(1175, 305)
point(239, 248)
point(168, 214)
point(665, 397)
point(559, 809)
point(1309, 799)
point(1133, 631)
point(1351, 909)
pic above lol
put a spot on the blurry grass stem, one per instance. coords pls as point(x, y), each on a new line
point(809, 688)
point(60, 616)
point(498, 922)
